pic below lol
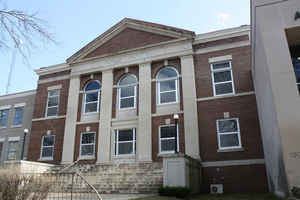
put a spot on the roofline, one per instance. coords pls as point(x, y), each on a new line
point(222, 34)
point(18, 94)
point(52, 69)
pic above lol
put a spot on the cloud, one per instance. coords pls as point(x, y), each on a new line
point(223, 19)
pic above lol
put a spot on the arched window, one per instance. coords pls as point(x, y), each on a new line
point(167, 85)
point(92, 92)
point(127, 92)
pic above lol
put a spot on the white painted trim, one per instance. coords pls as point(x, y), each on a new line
point(117, 142)
point(52, 69)
point(2, 140)
point(46, 113)
point(13, 139)
point(20, 105)
point(220, 59)
point(54, 87)
point(58, 78)
point(223, 47)
point(46, 118)
point(94, 145)
point(41, 150)
point(5, 107)
point(124, 86)
point(159, 140)
point(226, 96)
point(238, 132)
point(233, 163)
point(88, 92)
point(17, 95)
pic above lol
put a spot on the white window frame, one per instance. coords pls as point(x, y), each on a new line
point(117, 142)
point(158, 81)
point(42, 146)
point(238, 132)
point(47, 107)
point(160, 139)
point(94, 146)
point(18, 125)
point(16, 151)
point(7, 117)
point(92, 91)
point(124, 86)
point(222, 70)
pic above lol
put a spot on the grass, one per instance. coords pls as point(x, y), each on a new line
point(220, 197)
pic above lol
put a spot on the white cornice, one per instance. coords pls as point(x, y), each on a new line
point(19, 94)
point(52, 69)
point(222, 34)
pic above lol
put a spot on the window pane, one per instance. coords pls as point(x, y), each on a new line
point(53, 93)
point(91, 107)
point(227, 126)
point(12, 155)
point(88, 138)
point(93, 85)
point(12, 150)
point(129, 79)
point(167, 73)
point(127, 91)
point(167, 85)
point(224, 88)
point(90, 97)
point(222, 76)
point(87, 150)
point(127, 103)
point(126, 135)
point(52, 111)
point(168, 145)
point(3, 117)
point(18, 116)
point(221, 65)
point(168, 97)
point(53, 101)
point(125, 148)
point(168, 131)
point(48, 141)
point(47, 151)
point(230, 140)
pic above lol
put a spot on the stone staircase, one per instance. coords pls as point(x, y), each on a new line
point(120, 178)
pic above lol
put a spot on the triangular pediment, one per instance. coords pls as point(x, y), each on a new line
point(128, 34)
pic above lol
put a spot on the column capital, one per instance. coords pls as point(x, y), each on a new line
point(188, 56)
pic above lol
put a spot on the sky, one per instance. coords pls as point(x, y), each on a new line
point(75, 23)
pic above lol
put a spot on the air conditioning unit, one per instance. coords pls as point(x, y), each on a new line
point(216, 188)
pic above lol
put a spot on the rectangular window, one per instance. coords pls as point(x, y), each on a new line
point(125, 142)
point(18, 118)
point(127, 96)
point(168, 91)
point(52, 103)
point(222, 78)
point(228, 133)
point(87, 145)
point(4, 117)
point(13, 147)
point(167, 139)
point(47, 147)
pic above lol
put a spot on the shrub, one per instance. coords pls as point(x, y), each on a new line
point(179, 192)
point(296, 192)
point(17, 186)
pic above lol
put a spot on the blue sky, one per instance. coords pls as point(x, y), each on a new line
point(75, 23)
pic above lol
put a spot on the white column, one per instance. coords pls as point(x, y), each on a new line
point(104, 142)
point(191, 130)
point(144, 132)
point(71, 117)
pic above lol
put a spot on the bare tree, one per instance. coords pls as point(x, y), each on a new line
point(17, 27)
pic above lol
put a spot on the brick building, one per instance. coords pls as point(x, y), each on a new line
point(114, 101)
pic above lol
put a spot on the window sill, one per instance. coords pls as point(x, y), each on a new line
point(224, 95)
point(86, 158)
point(90, 113)
point(17, 126)
point(230, 150)
point(45, 159)
point(166, 104)
point(124, 156)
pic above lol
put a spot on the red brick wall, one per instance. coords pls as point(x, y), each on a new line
point(158, 121)
point(84, 79)
point(241, 68)
point(242, 178)
point(244, 108)
point(118, 74)
point(94, 127)
point(38, 130)
point(42, 96)
point(155, 67)
point(128, 39)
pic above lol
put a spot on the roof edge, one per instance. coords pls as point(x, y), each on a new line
point(17, 94)
point(52, 69)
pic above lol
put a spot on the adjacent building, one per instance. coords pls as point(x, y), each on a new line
point(114, 101)
point(15, 119)
point(275, 60)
